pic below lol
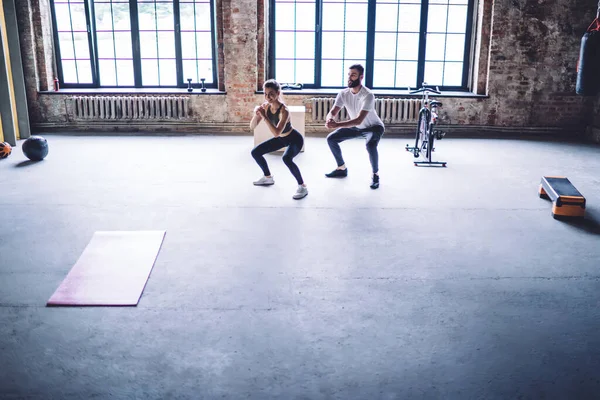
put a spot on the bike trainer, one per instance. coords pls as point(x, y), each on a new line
point(567, 202)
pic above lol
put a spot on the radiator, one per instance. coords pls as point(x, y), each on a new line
point(389, 110)
point(129, 107)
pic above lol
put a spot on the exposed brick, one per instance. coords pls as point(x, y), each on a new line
point(526, 64)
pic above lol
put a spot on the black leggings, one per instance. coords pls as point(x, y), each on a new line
point(294, 142)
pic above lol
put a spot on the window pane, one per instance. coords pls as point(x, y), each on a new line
point(285, 16)
point(166, 44)
point(114, 42)
point(123, 44)
point(332, 73)
point(305, 20)
point(305, 45)
point(205, 71)
point(65, 43)
point(62, 24)
point(386, 18)
point(168, 73)
point(408, 46)
point(150, 43)
point(150, 72)
point(453, 74)
point(187, 16)
point(455, 47)
point(356, 45)
point(333, 17)
point(406, 74)
point(196, 45)
point(433, 73)
point(121, 16)
point(73, 42)
point(284, 45)
point(82, 51)
point(305, 72)
point(457, 19)
point(84, 71)
point(190, 71)
point(435, 47)
point(383, 73)
point(188, 45)
point(103, 17)
point(105, 45)
point(410, 18)
point(77, 17)
point(203, 16)
point(204, 45)
point(125, 73)
point(385, 46)
point(146, 16)
point(437, 18)
point(356, 17)
point(332, 44)
point(285, 70)
point(164, 16)
point(69, 72)
point(107, 72)
point(397, 36)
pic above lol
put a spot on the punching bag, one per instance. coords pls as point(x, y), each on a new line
point(588, 67)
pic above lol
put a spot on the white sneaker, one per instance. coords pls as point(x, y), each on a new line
point(301, 192)
point(264, 181)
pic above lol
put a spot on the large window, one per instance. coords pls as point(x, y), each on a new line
point(399, 42)
point(134, 43)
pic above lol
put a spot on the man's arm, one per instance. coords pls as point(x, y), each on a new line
point(352, 122)
point(333, 113)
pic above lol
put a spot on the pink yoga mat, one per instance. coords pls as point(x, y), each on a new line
point(111, 271)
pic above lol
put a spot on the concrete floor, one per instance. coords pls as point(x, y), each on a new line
point(448, 283)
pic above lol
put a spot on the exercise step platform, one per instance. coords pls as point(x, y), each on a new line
point(567, 202)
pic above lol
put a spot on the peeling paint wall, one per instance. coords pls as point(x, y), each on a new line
point(526, 66)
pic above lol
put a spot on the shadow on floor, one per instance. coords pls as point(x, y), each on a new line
point(25, 163)
point(589, 224)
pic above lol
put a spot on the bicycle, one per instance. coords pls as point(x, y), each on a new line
point(426, 133)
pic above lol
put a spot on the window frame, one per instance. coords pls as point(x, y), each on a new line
point(468, 56)
point(136, 52)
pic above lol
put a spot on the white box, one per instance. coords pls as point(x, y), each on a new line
point(297, 116)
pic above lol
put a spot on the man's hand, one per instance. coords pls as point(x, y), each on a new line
point(331, 124)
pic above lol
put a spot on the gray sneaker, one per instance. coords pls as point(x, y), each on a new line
point(301, 192)
point(264, 181)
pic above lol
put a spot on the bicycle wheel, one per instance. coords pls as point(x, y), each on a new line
point(421, 135)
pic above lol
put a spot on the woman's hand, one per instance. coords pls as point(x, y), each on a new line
point(262, 110)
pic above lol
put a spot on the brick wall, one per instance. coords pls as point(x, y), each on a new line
point(526, 66)
point(593, 130)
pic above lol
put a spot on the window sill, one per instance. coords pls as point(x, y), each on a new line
point(163, 91)
point(380, 92)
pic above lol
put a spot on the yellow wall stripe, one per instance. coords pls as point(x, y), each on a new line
point(11, 87)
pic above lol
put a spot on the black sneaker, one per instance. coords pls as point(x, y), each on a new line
point(338, 173)
point(375, 183)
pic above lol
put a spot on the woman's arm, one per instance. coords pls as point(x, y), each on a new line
point(256, 118)
point(283, 119)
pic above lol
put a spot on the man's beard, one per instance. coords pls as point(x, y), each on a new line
point(354, 83)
